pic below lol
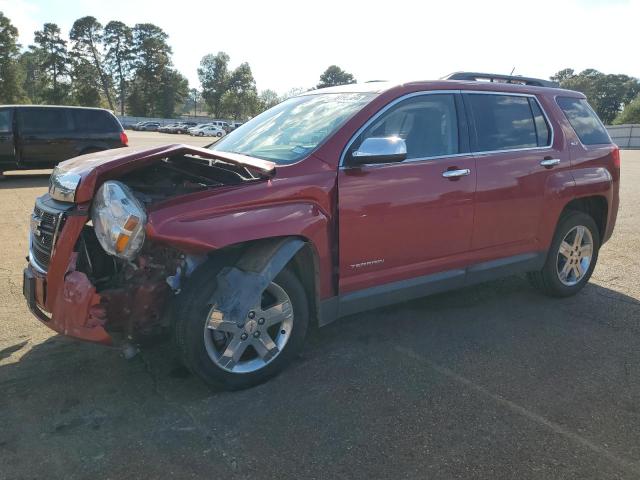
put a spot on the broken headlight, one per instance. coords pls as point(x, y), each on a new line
point(63, 185)
point(118, 220)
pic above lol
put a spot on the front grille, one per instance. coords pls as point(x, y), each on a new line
point(45, 226)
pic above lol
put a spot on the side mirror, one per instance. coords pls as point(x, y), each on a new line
point(380, 150)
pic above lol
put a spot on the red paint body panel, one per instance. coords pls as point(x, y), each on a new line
point(405, 214)
point(406, 217)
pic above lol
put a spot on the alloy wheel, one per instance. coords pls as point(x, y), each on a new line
point(255, 342)
point(574, 255)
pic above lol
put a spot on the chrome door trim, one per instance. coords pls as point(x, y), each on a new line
point(550, 162)
point(461, 172)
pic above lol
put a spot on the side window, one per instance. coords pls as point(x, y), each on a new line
point(43, 120)
point(584, 121)
point(543, 132)
point(427, 123)
point(502, 122)
point(5, 120)
point(93, 121)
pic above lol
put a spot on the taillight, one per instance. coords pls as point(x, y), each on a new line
point(124, 139)
point(615, 155)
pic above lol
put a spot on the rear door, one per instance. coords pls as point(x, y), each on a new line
point(403, 220)
point(516, 154)
point(45, 135)
point(7, 151)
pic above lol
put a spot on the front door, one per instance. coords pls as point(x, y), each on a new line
point(403, 220)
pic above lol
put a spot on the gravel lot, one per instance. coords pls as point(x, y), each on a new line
point(490, 382)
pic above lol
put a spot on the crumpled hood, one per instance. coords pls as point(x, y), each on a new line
point(95, 168)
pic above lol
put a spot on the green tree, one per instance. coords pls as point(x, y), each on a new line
point(214, 77)
point(563, 75)
point(333, 76)
point(268, 98)
point(52, 52)
point(35, 80)
point(87, 35)
point(118, 40)
point(11, 72)
point(172, 91)
point(240, 101)
point(630, 114)
point(152, 56)
point(607, 93)
point(85, 84)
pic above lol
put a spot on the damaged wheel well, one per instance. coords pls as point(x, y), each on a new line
point(304, 263)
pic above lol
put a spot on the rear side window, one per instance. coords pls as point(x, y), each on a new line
point(507, 122)
point(43, 120)
point(5, 120)
point(584, 121)
point(93, 121)
point(427, 123)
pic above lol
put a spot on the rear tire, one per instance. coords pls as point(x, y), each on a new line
point(571, 258)
point(203, 355)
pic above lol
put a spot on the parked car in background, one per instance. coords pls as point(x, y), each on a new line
point(149, 127)
point(207, 131)
point(35, 136)
point(183, 127)
point(383, 192)
point(235, 125)
point(199, 127)
point(167, 128)
point(140, 125)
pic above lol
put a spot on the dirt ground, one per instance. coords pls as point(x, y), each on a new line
point(489, 382)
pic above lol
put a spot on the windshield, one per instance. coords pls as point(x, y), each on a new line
point(289, 131)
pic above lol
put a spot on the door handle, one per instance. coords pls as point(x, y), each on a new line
point(550, 162)
point(462, 172)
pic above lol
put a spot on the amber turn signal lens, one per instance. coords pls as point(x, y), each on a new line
point(131, 222)
point(121, 243)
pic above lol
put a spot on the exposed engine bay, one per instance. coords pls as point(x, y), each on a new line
point(135, 294)
point(183, 174)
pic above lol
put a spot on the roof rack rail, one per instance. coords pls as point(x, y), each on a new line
point(492, 77)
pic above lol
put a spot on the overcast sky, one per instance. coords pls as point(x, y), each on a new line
point(289, 43)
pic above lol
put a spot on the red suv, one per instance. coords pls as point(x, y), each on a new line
point(330, 203)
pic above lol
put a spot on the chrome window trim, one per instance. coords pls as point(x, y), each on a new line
point(471, 152)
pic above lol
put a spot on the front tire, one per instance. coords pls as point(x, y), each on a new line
point(571, 258)
point(240, 356)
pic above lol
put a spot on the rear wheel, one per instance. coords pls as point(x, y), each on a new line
point(571, 258)
point(240, 355)
point(219, 134)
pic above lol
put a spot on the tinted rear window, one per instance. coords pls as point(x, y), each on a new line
point(584, 121)
point(506, 122)
point(5, 120)
point(94, 121)
point(43, 120)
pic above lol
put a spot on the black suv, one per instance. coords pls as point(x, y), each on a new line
point(38, 136)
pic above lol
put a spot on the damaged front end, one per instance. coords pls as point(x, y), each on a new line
point(92, 272)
